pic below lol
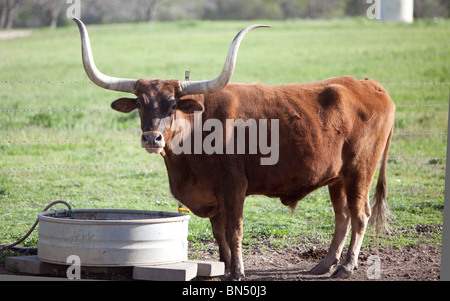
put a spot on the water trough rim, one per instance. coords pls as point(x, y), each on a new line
point(172, 217)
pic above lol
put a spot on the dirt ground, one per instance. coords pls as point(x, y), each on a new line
point(413, 263)
point(416, 263)
point(12, 34)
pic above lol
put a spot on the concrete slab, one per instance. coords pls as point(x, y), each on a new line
point(182, 271)
point(28, 265)
point(210, 268)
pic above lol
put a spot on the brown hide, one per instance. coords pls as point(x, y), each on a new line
point(333, 132)
point(325, 129)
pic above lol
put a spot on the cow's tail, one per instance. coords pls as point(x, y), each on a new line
point(380, 211)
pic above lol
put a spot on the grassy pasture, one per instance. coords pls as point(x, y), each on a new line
point(60, 141)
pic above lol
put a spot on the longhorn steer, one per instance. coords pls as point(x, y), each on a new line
point(332, 132)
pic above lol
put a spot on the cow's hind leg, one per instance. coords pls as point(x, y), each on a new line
point(342, 224)
point(359, 209)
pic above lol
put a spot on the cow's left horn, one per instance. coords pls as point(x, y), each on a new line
point(100, 79)
point(199, 87)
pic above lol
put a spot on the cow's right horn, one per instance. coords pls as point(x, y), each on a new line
point(217, 84)
point(100, 79)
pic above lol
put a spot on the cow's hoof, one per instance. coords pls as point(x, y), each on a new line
point(342, 272)
point(324, 266)
point(320, 269)
point(237, 277)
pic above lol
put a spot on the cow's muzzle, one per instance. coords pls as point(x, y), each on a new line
point(153, 141)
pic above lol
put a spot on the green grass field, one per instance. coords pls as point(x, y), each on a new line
point(60, 141)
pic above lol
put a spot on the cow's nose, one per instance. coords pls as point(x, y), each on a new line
point(152, 141)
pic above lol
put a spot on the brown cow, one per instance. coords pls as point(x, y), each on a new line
point(333, 132)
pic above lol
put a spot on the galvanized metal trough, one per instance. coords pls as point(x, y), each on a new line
point(113, 237)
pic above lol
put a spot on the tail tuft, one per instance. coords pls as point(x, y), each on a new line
point(380, 211)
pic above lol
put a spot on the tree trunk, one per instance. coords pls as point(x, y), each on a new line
point(10, 18)
point(151, 10)
point(9, 8)
point(2, 17)
point(55, 11)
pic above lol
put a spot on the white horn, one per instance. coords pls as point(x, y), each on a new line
point(200, 87)
point(100, 79)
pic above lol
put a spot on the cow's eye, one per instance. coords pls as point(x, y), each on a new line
point(138, 104)
point(172, 105)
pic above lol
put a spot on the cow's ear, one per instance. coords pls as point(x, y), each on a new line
point(124, 105)
point(189, 106)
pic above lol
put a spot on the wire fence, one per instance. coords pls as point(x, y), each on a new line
point(393, 162)
point(88, 82)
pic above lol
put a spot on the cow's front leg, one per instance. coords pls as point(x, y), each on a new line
point(234, 235)
point(232, 207)
point(218, 229)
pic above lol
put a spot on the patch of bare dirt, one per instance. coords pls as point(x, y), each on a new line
point(13, 34)
point(412, 263)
